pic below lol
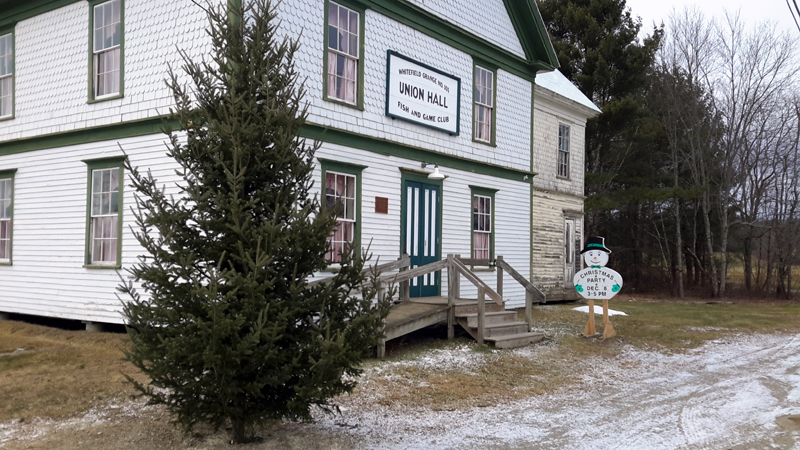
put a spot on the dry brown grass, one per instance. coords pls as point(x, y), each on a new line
point(61, 373)
point(566, 356)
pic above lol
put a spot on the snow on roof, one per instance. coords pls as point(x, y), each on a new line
point(556, 82)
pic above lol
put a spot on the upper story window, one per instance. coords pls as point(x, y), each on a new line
point(343, 60)
point(106, 44)
point(484, 105)
point(563, 151)
point(6, 75)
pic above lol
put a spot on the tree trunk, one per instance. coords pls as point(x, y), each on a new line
point(712, 265)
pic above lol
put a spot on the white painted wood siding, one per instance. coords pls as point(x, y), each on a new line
point(485, 18)
point(51, 66)
point(382, 178)
point(382, 34)
point(47, 277)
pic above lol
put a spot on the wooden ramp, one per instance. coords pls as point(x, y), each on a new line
point(412, 315)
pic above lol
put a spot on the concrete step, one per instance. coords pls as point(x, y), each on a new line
point(491, 318)
point(471, 307)
point(505, 329)
point(515, 340)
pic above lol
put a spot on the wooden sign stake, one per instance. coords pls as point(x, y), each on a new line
point(608, 329)
point(590, 331)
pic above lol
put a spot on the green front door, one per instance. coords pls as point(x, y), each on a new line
point(422, 225)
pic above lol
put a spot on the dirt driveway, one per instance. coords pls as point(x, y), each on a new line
point(741, 392)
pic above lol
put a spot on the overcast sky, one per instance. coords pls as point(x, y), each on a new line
point(752, 11)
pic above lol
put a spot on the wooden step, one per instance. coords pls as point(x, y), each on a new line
point(504, 329)
point(490, 318)
point(515, 340)
point(468, 307)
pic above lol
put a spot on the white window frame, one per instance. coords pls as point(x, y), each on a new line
point(347, 217)
point(563, 151)
point(352, 53)
point(114, 50)
point(103, 222)
point(7, 79)
point(6, 215)
point(484, 102)
point(482, 224)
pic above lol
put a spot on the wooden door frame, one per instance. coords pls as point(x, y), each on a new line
point(420, 176)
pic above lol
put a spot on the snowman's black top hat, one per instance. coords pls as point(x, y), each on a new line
point(595, 243)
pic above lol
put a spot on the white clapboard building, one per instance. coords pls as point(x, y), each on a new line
point(397, 89)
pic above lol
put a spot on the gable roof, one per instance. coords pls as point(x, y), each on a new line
point(532, 33)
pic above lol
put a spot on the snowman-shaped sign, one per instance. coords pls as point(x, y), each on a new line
point(597, 282)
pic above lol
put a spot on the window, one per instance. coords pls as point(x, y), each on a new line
point(106, 50)
point(563, 151)
point(482, 223)
point(6, 76)
point(104, 213)
point(344, 66)
point(6, 209)
point(483, 98)
point(342, 183)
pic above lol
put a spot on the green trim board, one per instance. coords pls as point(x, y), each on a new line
point(91, 98)
point(415, 177)
point(450, 34)
point(493, 139)
point(357, 7)
point(389, 148)
point(531, 30)
point(108, 132)
point(349, 169)
point(484, 192)
point(15, 11)
point(111, 162)
point(4, 31)
point(4, 175)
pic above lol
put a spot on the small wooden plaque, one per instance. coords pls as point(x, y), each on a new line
point(381, 205)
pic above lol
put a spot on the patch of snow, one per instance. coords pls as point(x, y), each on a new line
point(599, 310)
point(557, 83)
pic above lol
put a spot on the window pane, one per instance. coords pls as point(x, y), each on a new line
point(4, 253)
point(4, 229)
point(333, 14)
point(333, 38)
point(353, 28)
point(342, 18)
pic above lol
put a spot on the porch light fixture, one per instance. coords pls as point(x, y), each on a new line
point(435, 175)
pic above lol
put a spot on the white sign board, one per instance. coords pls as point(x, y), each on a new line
point(597, 283)
point(421, 94)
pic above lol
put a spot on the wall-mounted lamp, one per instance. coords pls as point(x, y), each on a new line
point(435, 175)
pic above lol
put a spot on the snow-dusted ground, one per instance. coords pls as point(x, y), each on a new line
point(741, 392)
point(723, 395)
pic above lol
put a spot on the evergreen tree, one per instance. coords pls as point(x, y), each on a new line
point(229, 331)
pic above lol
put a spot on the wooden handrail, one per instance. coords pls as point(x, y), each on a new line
point(403, 261)
point(461, 268)
point(415, 272)
point(501, 263)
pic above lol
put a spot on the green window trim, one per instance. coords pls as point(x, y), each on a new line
point(96, 164)
point(492, 142)
point(4, 31)
point(121, 93)
point(328, 165)
point(483, 192)
point(4, 175)
point(361, 58)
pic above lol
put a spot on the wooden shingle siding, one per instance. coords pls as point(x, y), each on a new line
point(485, 18)
point(51, 62)
point(382, 34)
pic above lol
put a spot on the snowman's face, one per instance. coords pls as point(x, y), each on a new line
point(595, 258)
